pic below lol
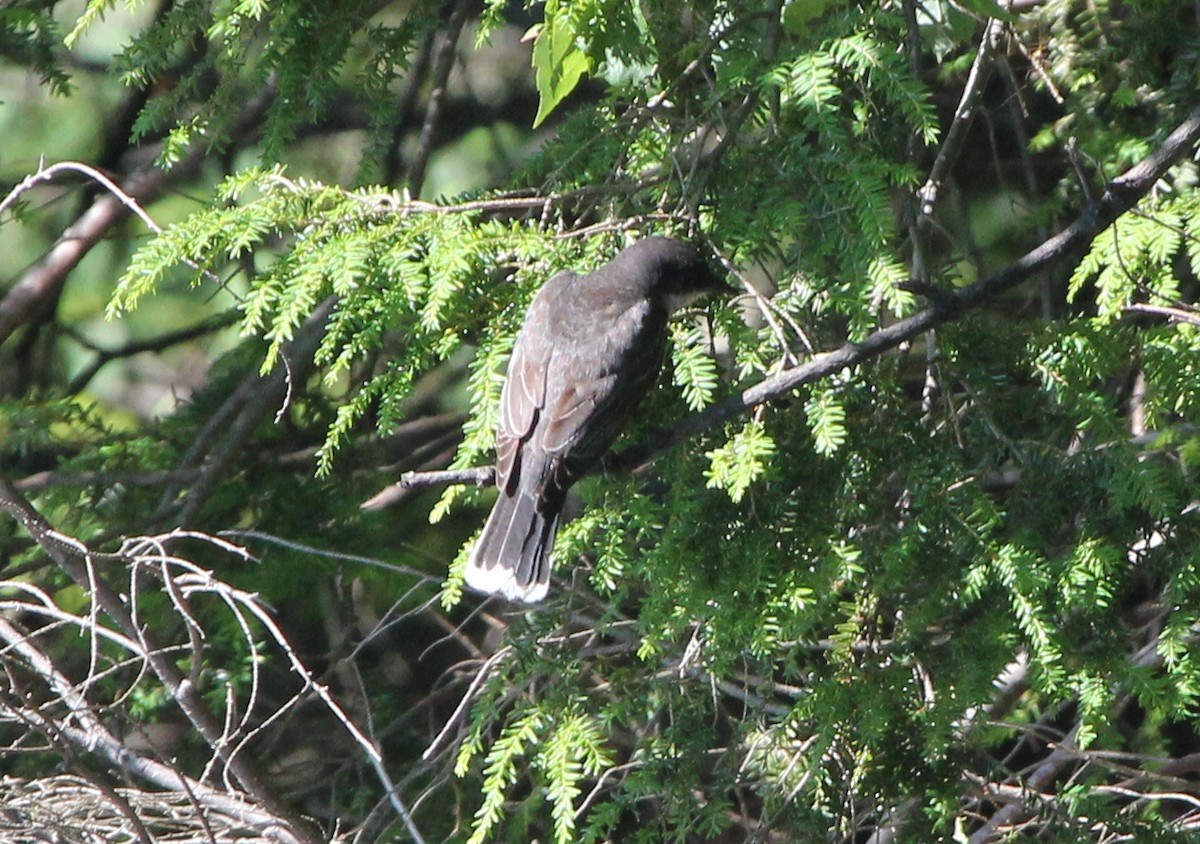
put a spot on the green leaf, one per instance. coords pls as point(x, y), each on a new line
point(558, 63)
point(827, 418)
point(812, 81)
point(501, 771)
point(574, 750)
point(695, 370)
point(741, 461)
point(94, 11)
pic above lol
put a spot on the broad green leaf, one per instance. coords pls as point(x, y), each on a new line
point(558, 63)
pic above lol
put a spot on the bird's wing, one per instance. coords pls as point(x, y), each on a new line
point(524, 395)
point(607, 377)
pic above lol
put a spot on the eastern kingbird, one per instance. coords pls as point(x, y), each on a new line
point(590, 348)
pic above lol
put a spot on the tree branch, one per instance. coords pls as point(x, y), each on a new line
point(78, 562)
point(1174, 314)
point(41, 282)
point(443, 62)
point(221, 439)
point(151, 344)
point(45, 174)
point(1119, 195)
point(964, 115)
point(479, 476)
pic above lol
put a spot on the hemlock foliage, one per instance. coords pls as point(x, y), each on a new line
point(947, 594)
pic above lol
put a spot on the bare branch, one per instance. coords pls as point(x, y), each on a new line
point(1040, 779)
point(184, 583)
point(74, 558)
point(964, 114)
point(40, 283)
point(55, 478)
point(443, 62)
point(45, 174)
point(152, 344)
point(1175, 314)
point(485, 671)
point(84, 730)
point(481, 476)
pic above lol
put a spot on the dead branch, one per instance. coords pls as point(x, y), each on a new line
point(79, 563)
point(69, 711)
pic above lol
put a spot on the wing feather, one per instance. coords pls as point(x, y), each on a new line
point(524, 394)
point(596, 382)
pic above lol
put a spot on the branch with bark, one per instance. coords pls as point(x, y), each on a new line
point(41, 283)
point(71, 712)
point(1119, 196)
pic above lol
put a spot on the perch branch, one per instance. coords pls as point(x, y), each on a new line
point(1119, 196)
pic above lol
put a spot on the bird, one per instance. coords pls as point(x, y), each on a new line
point(590, 347)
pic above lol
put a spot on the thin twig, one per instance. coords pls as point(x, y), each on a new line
point(152, 344)
point(1176, 314)
point(484, 672)
point(45, 174)
point(42, 281)
point(964, 114)
point(327, 554)
point(220, 441)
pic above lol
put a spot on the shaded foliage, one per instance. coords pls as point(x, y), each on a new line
point(951, 591)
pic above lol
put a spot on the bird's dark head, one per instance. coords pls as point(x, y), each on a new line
point(675, 271)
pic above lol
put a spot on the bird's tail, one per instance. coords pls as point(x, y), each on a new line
point(512, 556)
